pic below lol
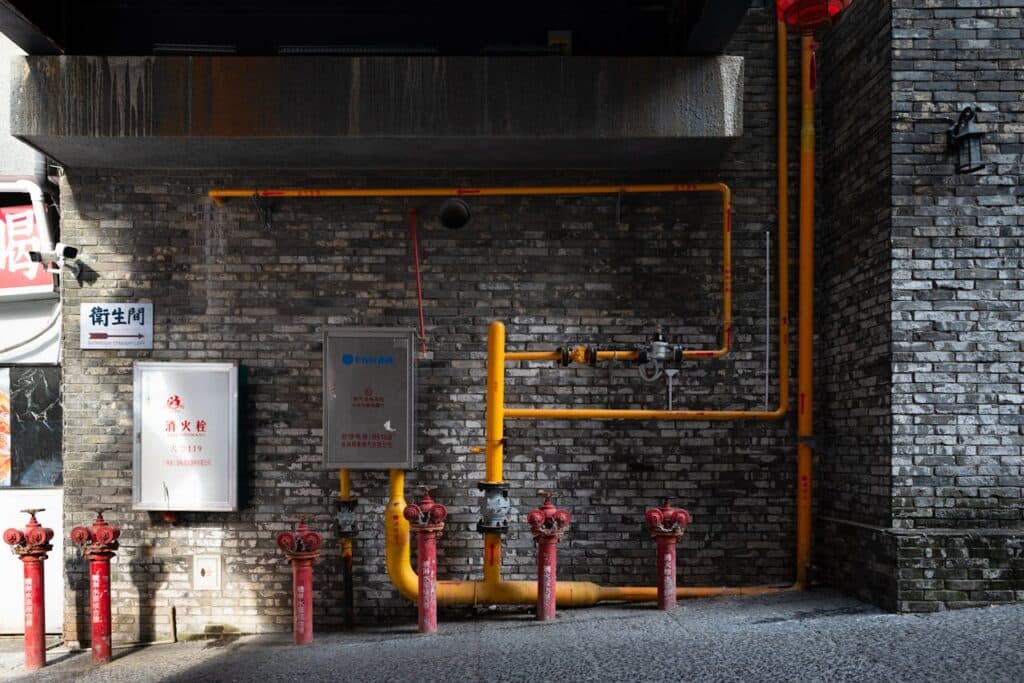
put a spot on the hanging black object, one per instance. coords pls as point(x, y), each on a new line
point(455, 213)
point(965, 142)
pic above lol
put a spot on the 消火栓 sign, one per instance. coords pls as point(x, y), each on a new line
point(186, 437)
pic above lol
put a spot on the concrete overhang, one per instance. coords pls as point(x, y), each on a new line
point(378, 112)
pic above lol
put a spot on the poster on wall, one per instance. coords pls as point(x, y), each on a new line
point(369, 397)
point(20, 276)
point(31, 425)
point(186, 437)
point(37, 418)
point(5, 427)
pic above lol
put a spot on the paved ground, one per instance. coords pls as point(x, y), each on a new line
point(818, 636)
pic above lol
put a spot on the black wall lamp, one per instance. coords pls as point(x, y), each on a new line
point(965, 141)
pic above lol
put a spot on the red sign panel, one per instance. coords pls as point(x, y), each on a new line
point(20, 233)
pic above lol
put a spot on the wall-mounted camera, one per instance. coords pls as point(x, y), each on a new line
point(62, 256)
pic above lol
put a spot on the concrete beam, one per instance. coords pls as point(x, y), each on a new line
point(379, 112)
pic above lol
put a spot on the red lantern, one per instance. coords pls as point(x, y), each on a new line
point(806, 16)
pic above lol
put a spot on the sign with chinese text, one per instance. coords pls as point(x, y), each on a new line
point(186, 437)
point(20, 276)
point(369, 397)
point(116, 326)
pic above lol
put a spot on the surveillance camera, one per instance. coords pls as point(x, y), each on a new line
point(60, 252)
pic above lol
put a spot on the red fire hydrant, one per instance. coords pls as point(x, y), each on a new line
point(548, 524)
point(302, 548)
point(427, 521)
point(667, 525)
point(31, 545)
point(98, 543)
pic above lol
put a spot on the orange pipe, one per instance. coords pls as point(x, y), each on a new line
point(805, 348)
point(494, 434)
point(492, 590)
point(218, 196)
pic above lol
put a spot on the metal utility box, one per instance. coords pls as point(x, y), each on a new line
point(369, 397)
point(186, 455)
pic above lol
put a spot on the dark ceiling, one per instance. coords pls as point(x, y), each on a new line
point(384, 27)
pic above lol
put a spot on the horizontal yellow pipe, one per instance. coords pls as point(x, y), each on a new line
point(626, 414)
point(220, 195)
point(493, 590)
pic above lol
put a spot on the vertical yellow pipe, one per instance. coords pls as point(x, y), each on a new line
point(805, 348)
point(396, 539)
point(495, 430)
point(344, 485)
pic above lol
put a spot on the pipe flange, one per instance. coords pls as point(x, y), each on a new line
point(495, 509)
point(564, 360)
point(346, 517)
point(591, 355)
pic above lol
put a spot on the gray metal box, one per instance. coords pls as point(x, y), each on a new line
point(369, 397)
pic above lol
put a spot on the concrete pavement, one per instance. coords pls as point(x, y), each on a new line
point(813, 636)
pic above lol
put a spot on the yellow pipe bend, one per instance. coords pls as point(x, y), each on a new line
point(495, 591)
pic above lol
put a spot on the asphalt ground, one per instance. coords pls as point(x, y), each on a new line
point(810, 636)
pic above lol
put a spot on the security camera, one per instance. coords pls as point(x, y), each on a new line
point(60, 252)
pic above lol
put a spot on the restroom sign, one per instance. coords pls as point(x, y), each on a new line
point(369, 398)
point(115, 326)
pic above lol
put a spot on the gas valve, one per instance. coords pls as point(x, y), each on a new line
point(346, 517)
point(653, 357)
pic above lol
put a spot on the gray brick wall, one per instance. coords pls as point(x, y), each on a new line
point(956, 317)
point(853, 354)
point(556, 270)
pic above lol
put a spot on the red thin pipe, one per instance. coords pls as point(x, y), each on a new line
point(419, 282)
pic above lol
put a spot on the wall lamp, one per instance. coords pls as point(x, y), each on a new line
point(965, 142)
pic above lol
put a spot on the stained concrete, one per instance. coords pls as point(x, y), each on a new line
point(383, 112)
point(794, 636)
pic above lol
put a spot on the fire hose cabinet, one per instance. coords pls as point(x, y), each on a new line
point(369, 397)
point(186, 445)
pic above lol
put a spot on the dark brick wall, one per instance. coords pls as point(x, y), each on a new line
point(957, 273)
point(853, 346)
point(556, 270)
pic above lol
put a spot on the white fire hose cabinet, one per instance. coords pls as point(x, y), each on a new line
point(369, 397)
point(186, 454)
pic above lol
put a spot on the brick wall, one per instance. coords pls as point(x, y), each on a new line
point(956, 318)
point(853, 353)
point(556, 270)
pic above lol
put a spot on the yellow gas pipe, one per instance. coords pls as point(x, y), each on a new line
point(805, 340)
point(492, 590)
point(218, 196)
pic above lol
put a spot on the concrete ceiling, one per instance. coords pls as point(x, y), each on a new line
point(378, 112)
